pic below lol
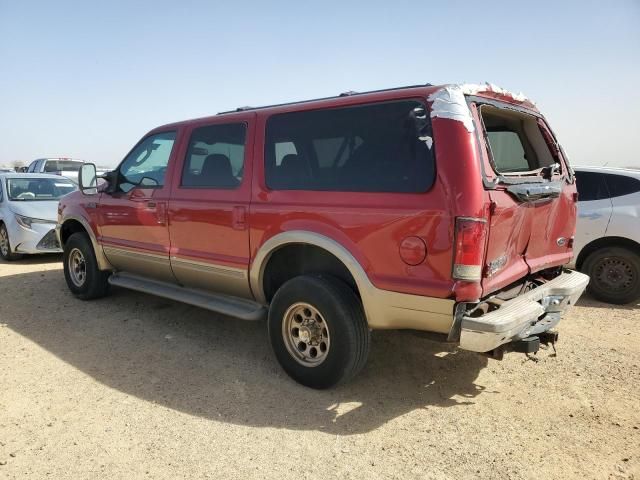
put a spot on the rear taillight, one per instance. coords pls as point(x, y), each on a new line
point(469, 243)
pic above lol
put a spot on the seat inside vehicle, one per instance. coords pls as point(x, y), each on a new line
point(516, 140)
point(216, 170)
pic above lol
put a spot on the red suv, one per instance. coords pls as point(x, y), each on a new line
point(448, 209)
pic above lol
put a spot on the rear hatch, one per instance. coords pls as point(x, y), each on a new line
point(531, 190)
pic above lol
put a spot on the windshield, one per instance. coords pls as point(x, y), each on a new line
point(60, 165)
point(33, 189)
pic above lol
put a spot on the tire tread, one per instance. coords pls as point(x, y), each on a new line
point(348, 308)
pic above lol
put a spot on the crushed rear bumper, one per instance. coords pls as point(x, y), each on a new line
point(526, 315)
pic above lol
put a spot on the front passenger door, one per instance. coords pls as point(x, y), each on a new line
point(133, 214)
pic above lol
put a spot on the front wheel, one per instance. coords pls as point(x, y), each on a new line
point(85, 280)
point(318, 331)
point(615, 275)
point(5, 245)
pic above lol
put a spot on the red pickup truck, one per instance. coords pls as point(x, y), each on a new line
point(448, 209)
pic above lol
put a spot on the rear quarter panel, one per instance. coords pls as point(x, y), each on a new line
point(372, 225)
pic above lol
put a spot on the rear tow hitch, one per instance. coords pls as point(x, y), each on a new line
point(529, 346)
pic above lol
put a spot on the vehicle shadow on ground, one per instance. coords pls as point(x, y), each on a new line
point(35, 259)
point(194, 361)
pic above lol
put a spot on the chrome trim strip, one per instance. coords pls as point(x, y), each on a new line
point(213, 268)
point(384, 309)
point(151, 265)
point(132, 253)
point(212, 277)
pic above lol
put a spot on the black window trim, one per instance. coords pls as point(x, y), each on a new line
point(422, 100)
point(244, 160)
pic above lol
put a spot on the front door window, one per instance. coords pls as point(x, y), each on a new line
point(146, 165)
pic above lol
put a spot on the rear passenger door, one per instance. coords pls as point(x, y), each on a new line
point(624, 190)
point(209, 205)
point(594, 208)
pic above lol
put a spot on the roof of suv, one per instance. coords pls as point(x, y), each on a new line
point(485, 90)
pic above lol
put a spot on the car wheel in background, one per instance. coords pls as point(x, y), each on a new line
point(318, 331)
point(85, 280)
point(5, 245)
point(615, 275)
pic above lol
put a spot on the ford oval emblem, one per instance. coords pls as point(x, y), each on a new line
point(561, 241)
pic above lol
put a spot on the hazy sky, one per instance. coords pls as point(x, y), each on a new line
point(88, 79)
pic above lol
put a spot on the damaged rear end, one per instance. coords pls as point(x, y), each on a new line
point(511, 286)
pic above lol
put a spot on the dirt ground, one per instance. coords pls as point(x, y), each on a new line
point(133, 386)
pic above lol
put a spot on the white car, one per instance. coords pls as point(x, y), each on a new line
point(29, 212)
point(607, 240)
point(66, 167)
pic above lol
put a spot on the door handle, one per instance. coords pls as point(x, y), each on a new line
point(239, 218)
point(161, 211)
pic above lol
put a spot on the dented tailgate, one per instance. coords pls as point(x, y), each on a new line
point(527, 236)
point(532, 194)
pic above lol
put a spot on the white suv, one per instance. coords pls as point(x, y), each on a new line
point(607, 241)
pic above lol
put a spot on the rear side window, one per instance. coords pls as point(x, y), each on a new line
point(215, 157)
point(620, 185)
point(591, 186)
point(384, 147)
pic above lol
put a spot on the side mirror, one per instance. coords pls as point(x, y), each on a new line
point(87, 179)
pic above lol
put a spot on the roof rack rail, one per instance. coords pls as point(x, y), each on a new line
point(344, 94)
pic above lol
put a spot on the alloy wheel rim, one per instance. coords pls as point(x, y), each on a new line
point(4, 242)
point(615, 274)
point(306, 334)
point(77, 267)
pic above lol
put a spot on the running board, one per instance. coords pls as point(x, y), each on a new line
point(225, 304)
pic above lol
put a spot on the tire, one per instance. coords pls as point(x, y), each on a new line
point(5, 245)
point(615, 275)
point(85, 280)
point(314, 311)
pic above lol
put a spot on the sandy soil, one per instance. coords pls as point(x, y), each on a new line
point(133, 386)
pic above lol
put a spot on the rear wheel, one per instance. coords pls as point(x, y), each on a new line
point(85, 280)
point(615, 275)
point(318, 331)
point(5, 245)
